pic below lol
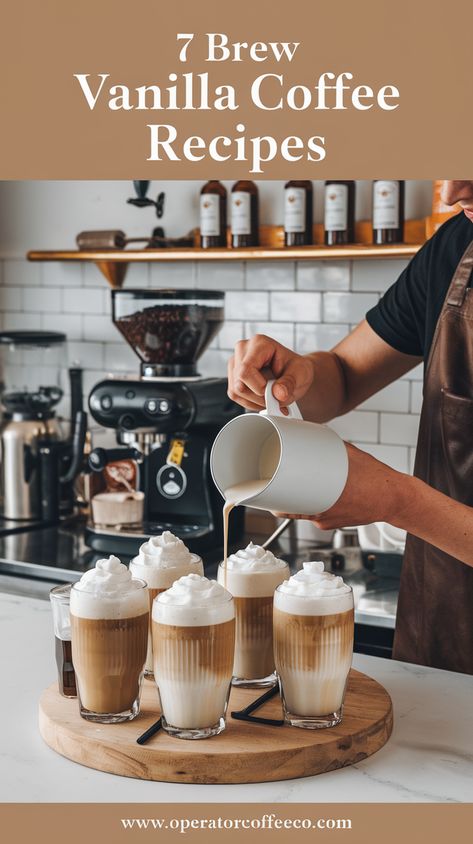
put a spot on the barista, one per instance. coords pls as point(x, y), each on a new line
point(427, 315)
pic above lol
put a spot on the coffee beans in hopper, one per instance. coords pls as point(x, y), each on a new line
point(170, 334)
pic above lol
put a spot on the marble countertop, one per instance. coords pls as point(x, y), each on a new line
point(429, 757)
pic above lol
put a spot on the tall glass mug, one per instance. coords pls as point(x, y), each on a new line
point(313, 645)
point(251, 576)
point(160, 561)
point(60, 600)
point(109, 624)
point(193, 646)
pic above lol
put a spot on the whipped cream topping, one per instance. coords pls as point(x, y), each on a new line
point(253, 572)
point(108, 591)
point(163, 559)
point(254, 558)
point(164, 550)
point(314, 591)
point(193, 600)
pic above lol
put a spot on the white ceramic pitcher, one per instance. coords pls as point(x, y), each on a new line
point(306, 463)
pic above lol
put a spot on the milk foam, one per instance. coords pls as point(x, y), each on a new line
point(253, 572)
point(108, 591)
point(164, 550)
point(163, 559)
point(254, 558)
point(193, 601)
point(313, 591)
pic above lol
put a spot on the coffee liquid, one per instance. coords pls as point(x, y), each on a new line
point(65, 668)
point(149, 667)
point(313, 655)
point(254, 658)
point(109, 656)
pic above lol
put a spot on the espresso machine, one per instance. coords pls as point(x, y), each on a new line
point(165, 420)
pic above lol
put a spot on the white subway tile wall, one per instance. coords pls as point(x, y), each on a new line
point(322, 275)
point(296, 307)
point(308, 305)
point(318, 337)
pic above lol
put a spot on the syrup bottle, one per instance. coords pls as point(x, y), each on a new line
point(339, 212)
point(388, 211)
point(213, 215)
point(298, 213)
point(244, 218)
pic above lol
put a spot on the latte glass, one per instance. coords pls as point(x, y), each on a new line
point(158, 579)
point(193, 667)
point(313, 648)
point(253, 666)
point(109, 643)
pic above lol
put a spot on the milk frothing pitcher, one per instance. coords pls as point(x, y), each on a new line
point(305, 463)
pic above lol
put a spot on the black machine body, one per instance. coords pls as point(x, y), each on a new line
point(162, 405)
point(167, 426)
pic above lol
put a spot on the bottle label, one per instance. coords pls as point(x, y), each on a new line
point(210, 215)
point(336, 208)
point(386, 205)
point(294, 209)
point(241, 212)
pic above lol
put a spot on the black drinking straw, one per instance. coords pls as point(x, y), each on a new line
point(150, 732)
point(244, 714)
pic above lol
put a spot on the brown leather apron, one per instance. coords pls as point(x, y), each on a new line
point(434, 624)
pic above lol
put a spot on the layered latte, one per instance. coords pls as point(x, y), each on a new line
point(193, 645)
point(109, 628)
point(313, 645)
point(252, 575)
point(160, 561)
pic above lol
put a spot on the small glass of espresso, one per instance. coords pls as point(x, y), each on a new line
point(60, 600)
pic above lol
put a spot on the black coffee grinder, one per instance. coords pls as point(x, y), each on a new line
point(165, 421)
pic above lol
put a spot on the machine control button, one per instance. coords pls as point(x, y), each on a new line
point(130, 394)
point(171, 481)
point(157, 406)
point(106, 402)
point(126, 422)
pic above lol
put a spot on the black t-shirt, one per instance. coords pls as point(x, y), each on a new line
point(406, 316)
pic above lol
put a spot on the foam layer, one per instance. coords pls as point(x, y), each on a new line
point(164, 550)
point(313, 591)
point(108, 591)
point(254, 558)
point(253, 572)
point(163, 559)
point(194, 601)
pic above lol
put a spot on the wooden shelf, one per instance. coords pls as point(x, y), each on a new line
point(113, 263)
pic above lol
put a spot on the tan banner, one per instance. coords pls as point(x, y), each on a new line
point(74, 823)
point(117, 90)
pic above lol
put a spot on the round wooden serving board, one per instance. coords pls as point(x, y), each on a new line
point(244, 752)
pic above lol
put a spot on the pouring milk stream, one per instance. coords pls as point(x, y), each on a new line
point(278, 463)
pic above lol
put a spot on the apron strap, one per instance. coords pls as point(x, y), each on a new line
point(457, 290)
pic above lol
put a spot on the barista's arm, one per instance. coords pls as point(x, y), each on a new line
point(325, 384)
point(375, 492)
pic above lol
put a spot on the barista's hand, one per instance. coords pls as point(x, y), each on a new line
point(246, 384)
point(373, 493)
